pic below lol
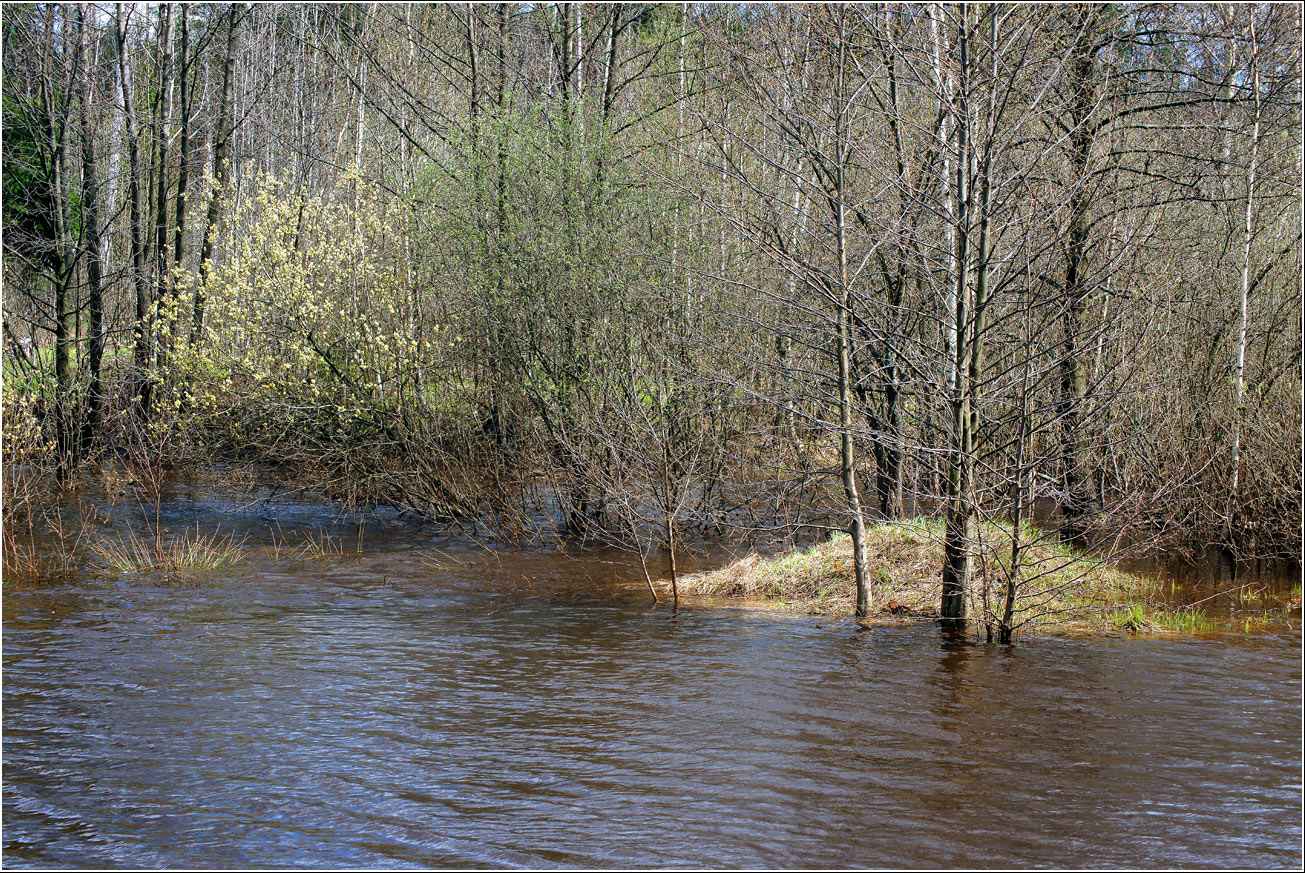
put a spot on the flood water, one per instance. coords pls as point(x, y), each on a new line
point(426, 702)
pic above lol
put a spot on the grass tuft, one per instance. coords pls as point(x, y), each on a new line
point(187, 553)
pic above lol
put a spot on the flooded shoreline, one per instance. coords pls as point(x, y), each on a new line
point(264, 520)
point(418, 701)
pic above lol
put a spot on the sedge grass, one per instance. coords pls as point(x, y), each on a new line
point(185, 553)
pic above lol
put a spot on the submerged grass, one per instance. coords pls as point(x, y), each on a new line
point(187, 554)
point(25, 564)
point(315, 547)
point(62, 557)
point(1141, 618)
point(1058, 587)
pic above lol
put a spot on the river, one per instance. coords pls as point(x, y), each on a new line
point(427, 702)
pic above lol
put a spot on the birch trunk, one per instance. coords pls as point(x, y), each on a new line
point(142, 346)
point(1239, 384)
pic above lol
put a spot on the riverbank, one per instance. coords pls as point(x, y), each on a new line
point(1059, 588)
point(226, 521)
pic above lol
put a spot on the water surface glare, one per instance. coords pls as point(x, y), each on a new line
point(531, 710)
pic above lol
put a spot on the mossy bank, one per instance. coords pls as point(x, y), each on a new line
point(1058, 588)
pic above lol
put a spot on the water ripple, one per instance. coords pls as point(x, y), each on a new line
point(381, 713)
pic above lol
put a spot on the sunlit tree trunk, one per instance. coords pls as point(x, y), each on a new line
point(856, 520)
point(1239, 379)
point(172, 303)
point(142, 346)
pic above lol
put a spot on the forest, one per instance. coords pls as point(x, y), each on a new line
point(653, 275)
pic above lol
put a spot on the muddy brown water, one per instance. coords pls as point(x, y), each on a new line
point(427, 702)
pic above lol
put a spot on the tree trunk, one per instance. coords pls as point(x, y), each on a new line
point(164, 122)
point(957, 557)
point(501, 226)
point(578, 79)
point(669, 514)
point(889, 476)
point(1075, 476)
point(64, 262)
point(221, 174)
point(856, 521)
point(142, 346)
point(1239, 384)
point(183, 177)
point(91, 203)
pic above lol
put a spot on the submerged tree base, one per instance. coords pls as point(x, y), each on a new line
point(1061, 589)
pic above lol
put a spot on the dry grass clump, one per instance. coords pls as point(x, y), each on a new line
point(187, 553)
point(819, 578)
